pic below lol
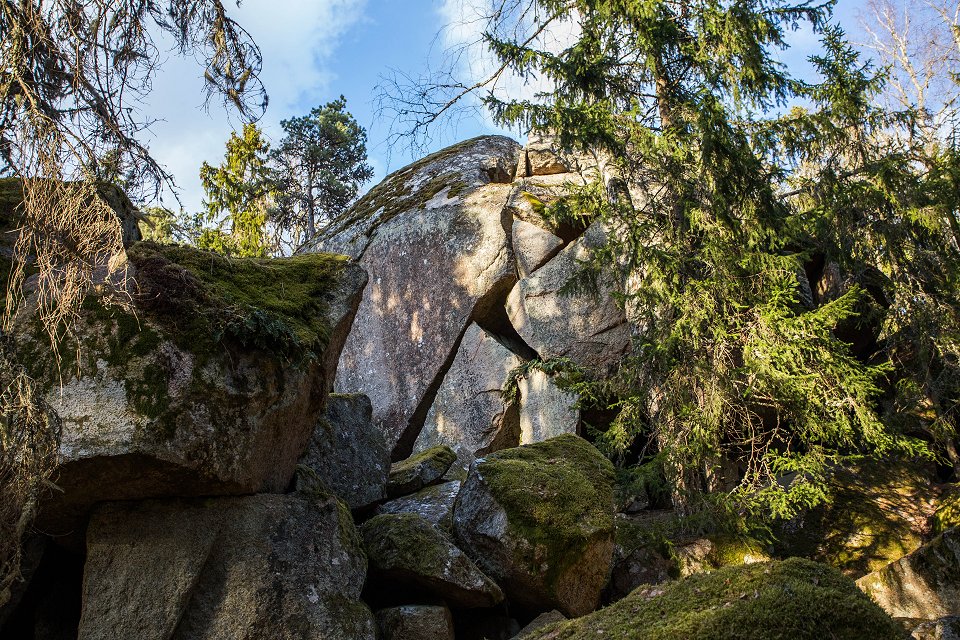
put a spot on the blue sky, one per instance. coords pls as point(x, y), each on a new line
point(314, 51)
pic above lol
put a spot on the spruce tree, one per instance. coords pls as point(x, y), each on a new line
point(740, 378)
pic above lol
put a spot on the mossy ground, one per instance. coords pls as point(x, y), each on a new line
point(558, 495)
point(790, 600)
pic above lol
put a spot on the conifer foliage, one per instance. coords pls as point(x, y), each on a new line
point(753, 373)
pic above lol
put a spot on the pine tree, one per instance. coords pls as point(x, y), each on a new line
point(320, 164)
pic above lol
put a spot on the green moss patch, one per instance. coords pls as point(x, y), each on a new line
point(877, 514)
point(791, 600)
point(557, 494)
point(201, 298)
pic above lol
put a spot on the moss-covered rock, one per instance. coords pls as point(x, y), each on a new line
point(420, 470)
point(404, 548)
point(210, 383)
point(434, 503)
point(877, 513)
point(924, 584)
point(791, 600)
point(539, 520)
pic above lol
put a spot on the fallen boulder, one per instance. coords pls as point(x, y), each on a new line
point(419, 470)
point(434, 504)
point(538, 519)
point(405, 548)
point(415, 622)
point(347, 453)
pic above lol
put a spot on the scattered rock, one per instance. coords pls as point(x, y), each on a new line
point(695, 557)
point(415, 622)
point(795, 599)
point(538, 519)
point(405, 548)
point(434, 504)
point(947, 628)
point(434, 236)
point(924, 584)
point(347, 453)
point(469, 413)
point(546, 411)
point(541, 621)
point(590, 330)
point(419, 470)
point(265, 566)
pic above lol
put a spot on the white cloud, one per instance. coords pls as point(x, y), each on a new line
point(464, 24)
point(296, 37)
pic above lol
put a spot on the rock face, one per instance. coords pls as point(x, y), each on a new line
point(538, 519)
point(795, 599)
point(419, 471)
point(434, 236)
point(592, 331)
point(264, 566)
point(415, 622)
point(347, 453)
point(212, 388)
point(434, 504)
point(546, 411)
point(407, 549)
point(533, 246)
point(924, 584)
point(469, 414)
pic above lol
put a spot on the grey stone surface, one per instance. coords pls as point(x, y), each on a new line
point(265, 566)
point(533, 246)
point(542, 620)
point(590, 330)
point(469, 414)
point(435, 240)
point(405, 548)
point(434, 504)
point(420, 470)
point(347, 453)
point(546, 411)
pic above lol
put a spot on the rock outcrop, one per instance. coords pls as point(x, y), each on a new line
point(265, 566)
point(434, 237)
point(420, 470)
point(434, 504)
point(546, 411)
point(415, 622)
point(538, 519)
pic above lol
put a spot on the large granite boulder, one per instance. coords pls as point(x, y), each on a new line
point(538, 519)
point(591, 330)
point(796, 599)
point(210, 383)
point(469, 413)
point(435, 236)
point(406, 549)
point(265, 566)
point(924, 584)
point(347, 453)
